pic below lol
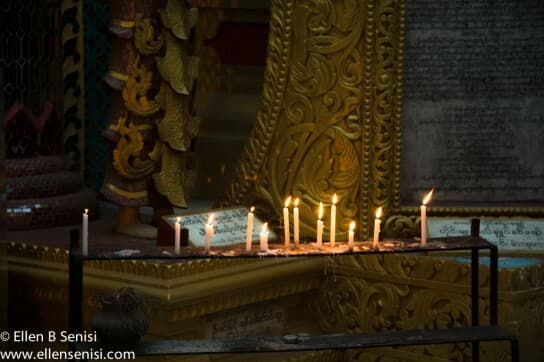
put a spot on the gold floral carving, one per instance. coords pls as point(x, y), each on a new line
point(307, 137)
point(179, 18)
point(127, 154)
point(179, 71)
point(171, 180)
point(144, 37)
point(178, 126)
point(395, 292)
point(135, 91)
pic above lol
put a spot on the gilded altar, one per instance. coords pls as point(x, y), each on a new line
point(225, 298)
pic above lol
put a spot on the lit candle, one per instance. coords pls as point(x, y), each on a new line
point(333, 220)
point(377, 225)
point(319, 238)
point(85, 233)
point(351, 235)
point(296, 231)
point(426, 200)
point(287, 234)
point(177, 236)
point(209, 233)
point(264, 237)
point(249, 231)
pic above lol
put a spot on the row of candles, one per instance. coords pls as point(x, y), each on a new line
point(209, 228)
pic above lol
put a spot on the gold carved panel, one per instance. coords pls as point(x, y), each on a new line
point(330, 112)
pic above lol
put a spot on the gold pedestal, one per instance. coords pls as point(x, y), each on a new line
point(236, 297)
point(190, 299)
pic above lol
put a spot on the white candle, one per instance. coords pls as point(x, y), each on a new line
point(209, 233)
point(177, 236)
point(319, 238)
point(85, 234)
point(351, 235)
point(426, 200)
point(377, 227)
point(296, 232)
point(249, 231)
point(287, 234)
point(264, 237)
point(333, 220)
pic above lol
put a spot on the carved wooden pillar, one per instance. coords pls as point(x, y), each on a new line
point(151, 75)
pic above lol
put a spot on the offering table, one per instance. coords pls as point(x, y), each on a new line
point(474, 334)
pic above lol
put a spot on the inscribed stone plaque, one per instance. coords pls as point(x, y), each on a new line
point(263, 320)
point(507, 234)
point(473, 117)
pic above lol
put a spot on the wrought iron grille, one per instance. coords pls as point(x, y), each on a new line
point(31, 54)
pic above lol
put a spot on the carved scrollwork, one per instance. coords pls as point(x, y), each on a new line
point(319, 154)
point(314, 72)
point(401, 226)
point(144, 37)
point(385, 106)
point(135, 91)
point(329, 111)
point(352, 305)
point(127, 154)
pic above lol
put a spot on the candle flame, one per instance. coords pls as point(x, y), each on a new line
point(264, 228)
point(287, 201)
point(252, 209)
point(334, 199)
point(296, 202)
point(379, 212)
point(178, 219)
point(320, 211)
point(352, 226)
point(210, 219)
point(427, 197)
point(86, 211)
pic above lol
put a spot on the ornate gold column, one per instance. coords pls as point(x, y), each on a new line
point(329, 114)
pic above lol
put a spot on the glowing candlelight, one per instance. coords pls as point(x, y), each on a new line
point(333, 219)
point(177, 236)
point(377, 226)
point(249, 231)
point(296, 230)
point(423, 208)
point(85, 234)
point(264, 237)
point(209, 232)
point(351, 235)
point(287, 234)
point(319, 238)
